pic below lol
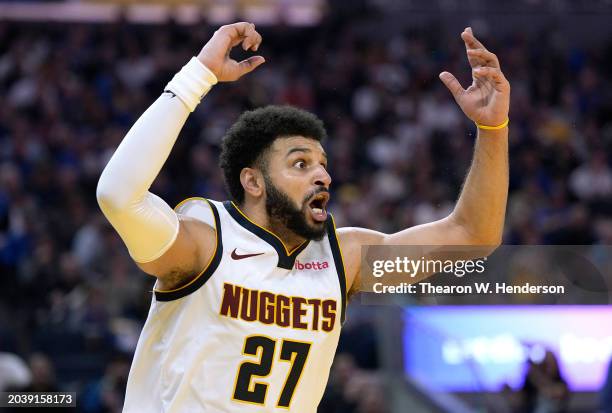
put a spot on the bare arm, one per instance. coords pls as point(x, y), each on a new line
point(481, 208)
point(478, 216)
point(174, 248)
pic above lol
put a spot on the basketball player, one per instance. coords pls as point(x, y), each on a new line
point(251, 293)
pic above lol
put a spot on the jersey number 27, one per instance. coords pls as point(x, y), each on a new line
point(294, 352)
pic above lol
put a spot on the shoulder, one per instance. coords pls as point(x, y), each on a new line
point(196, 243)
point(201, 209)
point(199, 217)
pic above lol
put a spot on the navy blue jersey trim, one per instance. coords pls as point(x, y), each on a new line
point(201, 279)
point(285, 260)
point(335, 248)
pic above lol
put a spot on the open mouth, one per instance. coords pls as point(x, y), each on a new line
point(317, 206)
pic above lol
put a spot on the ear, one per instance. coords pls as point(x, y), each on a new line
point(252, 181)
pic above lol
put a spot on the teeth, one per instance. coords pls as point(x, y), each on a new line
point(317, 210)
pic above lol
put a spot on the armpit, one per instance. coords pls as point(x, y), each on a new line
point(175, 279)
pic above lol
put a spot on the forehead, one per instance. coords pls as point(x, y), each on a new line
point(284, 146)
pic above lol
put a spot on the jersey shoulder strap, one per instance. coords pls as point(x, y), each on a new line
point(338, 261)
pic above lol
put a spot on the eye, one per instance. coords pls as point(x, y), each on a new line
point(300, 164)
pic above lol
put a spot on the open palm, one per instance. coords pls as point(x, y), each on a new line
point(487, 100)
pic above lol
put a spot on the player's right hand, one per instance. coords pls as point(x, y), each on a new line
point(215, 54)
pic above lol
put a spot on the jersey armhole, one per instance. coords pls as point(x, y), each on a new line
point(209, 269)
point(338, 261)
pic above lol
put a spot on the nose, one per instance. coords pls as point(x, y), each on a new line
point(322, 177)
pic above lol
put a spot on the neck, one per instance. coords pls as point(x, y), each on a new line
point(257, 213)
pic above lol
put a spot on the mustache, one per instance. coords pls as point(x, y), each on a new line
point(315, 192)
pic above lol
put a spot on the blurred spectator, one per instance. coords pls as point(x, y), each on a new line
point(592, 180)
point(544, 389)
point(14, 372)
point(342, 371)
point(106, 394)
point(353, 390)
point(43, 375)
point(43, 380)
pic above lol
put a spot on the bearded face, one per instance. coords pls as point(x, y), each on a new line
point(297, 218)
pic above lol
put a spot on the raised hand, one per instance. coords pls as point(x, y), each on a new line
point(487, 100)
point(216, 53)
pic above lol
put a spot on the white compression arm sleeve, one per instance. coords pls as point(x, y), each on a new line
point(147, 224)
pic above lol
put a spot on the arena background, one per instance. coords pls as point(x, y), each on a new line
point(74, 76)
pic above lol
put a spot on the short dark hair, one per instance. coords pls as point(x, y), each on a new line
point(254, 132)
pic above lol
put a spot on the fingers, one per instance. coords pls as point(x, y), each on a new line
point(242, 32)
point(452, 84)
point(477, 54)
point(494, 75)
point(483, 58)
point(250, 64)
point(252, 39)
point(470, 40)
point(236, 30)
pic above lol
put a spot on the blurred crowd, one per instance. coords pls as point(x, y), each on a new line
point(543, 390)
point(72, 303)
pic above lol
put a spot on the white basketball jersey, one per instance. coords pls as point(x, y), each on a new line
point(256, 331)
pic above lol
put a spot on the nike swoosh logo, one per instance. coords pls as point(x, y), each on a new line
point(171, 92)
point(237, 256)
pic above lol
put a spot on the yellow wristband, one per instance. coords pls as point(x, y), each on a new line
point(485, 127)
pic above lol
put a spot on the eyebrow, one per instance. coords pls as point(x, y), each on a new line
point(302, 149)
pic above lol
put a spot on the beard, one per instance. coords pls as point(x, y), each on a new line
point(280, 208)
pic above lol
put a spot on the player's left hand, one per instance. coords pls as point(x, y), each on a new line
point(487, 100)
